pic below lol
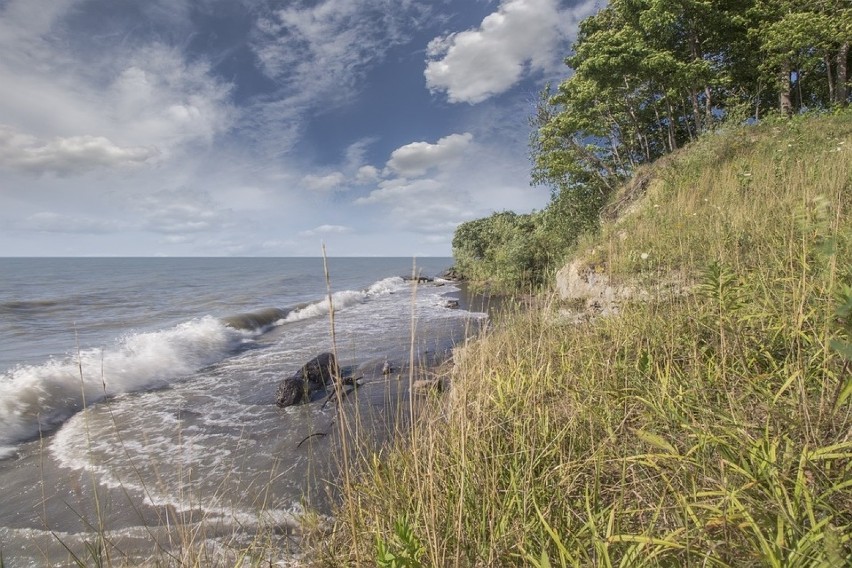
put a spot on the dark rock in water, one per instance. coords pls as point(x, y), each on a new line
point(313, 375)
point(419, 279)
point(291, 390)
point(452, 304)
point(318, 370)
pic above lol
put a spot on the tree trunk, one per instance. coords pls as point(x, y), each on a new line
point(686, 119)
point(841, 89)
point(672, 129)
point(696, 111)
point(785, 95)
point(708, 106)
point(832, 96)
point(757, 102)
point(799, 88)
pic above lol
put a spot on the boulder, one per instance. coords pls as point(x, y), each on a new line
point(291, 390)
point(319, 370)
point(313, 375)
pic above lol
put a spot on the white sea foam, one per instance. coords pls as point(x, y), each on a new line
point(347, 298)
point(168, 467)
point(36, 398)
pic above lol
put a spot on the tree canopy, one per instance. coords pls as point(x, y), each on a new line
point(650, 75)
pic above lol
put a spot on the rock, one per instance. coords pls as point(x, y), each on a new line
point(426, 386)
point(319, 370)
point(419, 279)
point(451, 274)
point(452, 304)
point(313, 375)
point(580, 282)
point(291, 390)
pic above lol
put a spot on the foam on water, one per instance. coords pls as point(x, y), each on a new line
point(37, 398)
point(347, 298)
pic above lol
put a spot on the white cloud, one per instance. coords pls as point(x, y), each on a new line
point(322, 184)
point(65, 156)
point(74, 108)
point(417, 158)
point(356, 151)
point(160, 98)
point(431, 188)
point(367, 174)
point(402, 189)
point(325, 230)
point(521, 37)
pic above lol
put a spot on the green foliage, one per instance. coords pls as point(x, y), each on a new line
point(403, 552)
point(843, 343)
point(505, 250)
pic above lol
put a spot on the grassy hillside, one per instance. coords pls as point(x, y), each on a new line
point(709, 423)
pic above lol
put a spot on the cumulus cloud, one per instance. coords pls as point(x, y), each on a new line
point(367, 174)
point(325, 230)
point(161, 98)
point(521, 37)
point(430, 188)
point(322, 184)
point(417, 158)
point(66, 156)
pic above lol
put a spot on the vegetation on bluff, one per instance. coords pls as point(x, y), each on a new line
point(650, 76)
point(707, 421)
point(708, 424)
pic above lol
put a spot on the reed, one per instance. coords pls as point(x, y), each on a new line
point(709, 424)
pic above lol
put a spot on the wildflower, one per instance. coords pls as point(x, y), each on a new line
point(644, 256)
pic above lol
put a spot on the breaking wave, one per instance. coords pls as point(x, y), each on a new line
point(38, 398)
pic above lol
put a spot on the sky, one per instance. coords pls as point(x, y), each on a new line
point(267, 128)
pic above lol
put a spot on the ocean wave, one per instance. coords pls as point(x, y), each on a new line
point(347, 298)
point(260, 320)
point(38, 398)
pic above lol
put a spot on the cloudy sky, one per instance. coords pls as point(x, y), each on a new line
point(266, 127)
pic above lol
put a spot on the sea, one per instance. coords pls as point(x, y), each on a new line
point(138, 422)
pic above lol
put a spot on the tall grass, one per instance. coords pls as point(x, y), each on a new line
point(710, 425)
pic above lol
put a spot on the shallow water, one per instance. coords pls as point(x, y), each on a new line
point(137, 395)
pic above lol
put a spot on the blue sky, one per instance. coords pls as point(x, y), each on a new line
point(264, 128)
